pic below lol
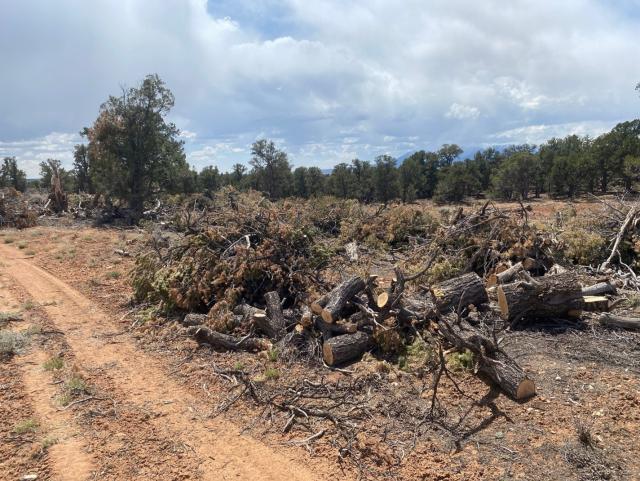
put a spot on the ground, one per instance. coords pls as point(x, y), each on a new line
point(99, 391)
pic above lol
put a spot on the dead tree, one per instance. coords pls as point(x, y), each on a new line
point(225, 342)
point(57, 195)
point(490, 359)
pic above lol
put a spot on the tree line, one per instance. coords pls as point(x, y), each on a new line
point(133, 154)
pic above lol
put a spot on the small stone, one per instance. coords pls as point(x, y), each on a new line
point(499, 435)
point(558, 378)
point(29, 477)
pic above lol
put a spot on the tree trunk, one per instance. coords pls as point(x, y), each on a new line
point(599, 289)
point(611, 320)
point(347, 347)
point(544, 297)
point(273, 324)
point(224, 342)
point(459, 292)
point(338, 297)
point(491, 361)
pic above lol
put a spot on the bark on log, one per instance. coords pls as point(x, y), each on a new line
point(505, 276)
point(194, 319)
point(543, 297)
point(246, 311)
point(330, 330)
point(273, 324)
point(319, 303)
point(459, 292)
point(338, 297)
point(598, 289)
point(341, 349)
point(306, 316)
point(611, 320)
point(225, 342)
point(415, 309)
point(491, 361)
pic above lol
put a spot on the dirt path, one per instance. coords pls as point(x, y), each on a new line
point(136, 381)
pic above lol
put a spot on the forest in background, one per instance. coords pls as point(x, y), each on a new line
point(133, 154)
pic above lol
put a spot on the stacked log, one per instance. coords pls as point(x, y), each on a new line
point(459, 292)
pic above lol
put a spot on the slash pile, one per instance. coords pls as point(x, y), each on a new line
point(330, 280)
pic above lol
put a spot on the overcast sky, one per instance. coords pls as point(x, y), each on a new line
point(328, 80)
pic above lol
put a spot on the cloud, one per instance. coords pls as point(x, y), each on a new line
point(330, 79)
point(538, 134)
point(462, 112)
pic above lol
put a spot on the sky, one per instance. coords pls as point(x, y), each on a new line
point(328, 80)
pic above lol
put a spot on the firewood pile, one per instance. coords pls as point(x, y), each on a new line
point(252, 275)
point(15, 210)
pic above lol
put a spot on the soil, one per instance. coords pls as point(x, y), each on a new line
point(149, 403)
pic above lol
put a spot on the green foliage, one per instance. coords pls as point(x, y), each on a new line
point(271, 374)
point(25, 426)
point(11, 175)
point(460, 361)
point(53, 364)
point(582, 245)
point(134, 151)
point(271, 169)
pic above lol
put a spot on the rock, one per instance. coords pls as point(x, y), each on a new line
point(29, 477)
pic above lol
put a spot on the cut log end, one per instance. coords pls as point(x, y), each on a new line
point(526, 389)
point(502, 303)
point(382, 299)
point(327, 354)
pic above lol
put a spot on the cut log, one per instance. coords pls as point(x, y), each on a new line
point(338, 297)
point(490, 360)
point(225, 342)
point(246, 311)
point(319, 303)
point(505, 276)
point(595, 303)
point(382, 299)
point(330, 330)
point(415, 309)
point(194, 319)
point(341, 349)
point(306, 316)
point(459, 292)
point(611, 320)
point(599, 289)
point(273, 323)
point(544, 297)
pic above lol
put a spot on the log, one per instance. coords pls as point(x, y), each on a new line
point(330, 330)
point(611, 320)
point(459, 292)
point(548, 296)
point(273, 324)
point(599, 289)
point(319, 303)
point(246, 311)
point(338, 297)
point(306, 316)
point(415, 309)
point(382, 299)
point(194, 319)
point(505, 276)
point(595, 303)
point(490, 360)
point(341, 349)
point(225, 342)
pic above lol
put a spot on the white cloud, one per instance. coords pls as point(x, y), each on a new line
point(462, 112)
point(329, 79)
point(537, 134)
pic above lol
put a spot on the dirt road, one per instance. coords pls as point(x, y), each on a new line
point(134, 421)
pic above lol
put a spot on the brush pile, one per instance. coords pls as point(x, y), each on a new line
point(330, 280)
point(15, 210)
